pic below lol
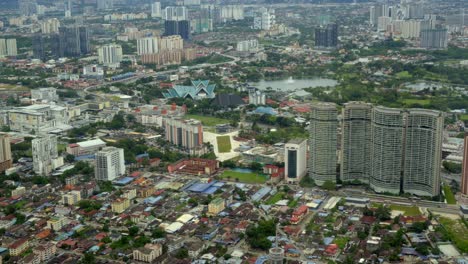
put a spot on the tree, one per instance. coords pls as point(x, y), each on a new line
point(88, 258)
point(329, 185)
point(182, 253)
point(70, 158)
point(255, 166)
point(383, 213)
point(133, 230)
point(158, 233)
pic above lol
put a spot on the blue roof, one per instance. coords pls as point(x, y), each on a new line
point(123, 181)
point(211, 190)
point(152, 200)
point(198, 90)
point(85, 157)
point(261, 193)
point(93, 249)
point(144, 155)
point(328, 240)
point(265, 110)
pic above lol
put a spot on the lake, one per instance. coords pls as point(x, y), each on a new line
point(293, 85)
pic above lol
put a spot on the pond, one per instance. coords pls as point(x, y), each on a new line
point(242, 170)
point(293, 84)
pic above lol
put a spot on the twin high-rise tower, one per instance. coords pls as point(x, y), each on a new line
point(392, 150)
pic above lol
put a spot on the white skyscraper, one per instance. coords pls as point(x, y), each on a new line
point(156, 9)
point(147, 45)
point(45, 155)
point(175, 13)
point(8, 47)
point(50, 26)
point(264, 19)
point(110, 164)
point(295, 160)
point(110, 55)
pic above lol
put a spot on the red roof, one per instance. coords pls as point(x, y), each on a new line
point(368, 219)
point(18, 243)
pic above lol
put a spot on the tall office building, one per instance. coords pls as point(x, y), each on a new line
point(355, 142)
point(295, 160)
point(415, 10)
point(434, 38)
point(73, 41)
point(264, 19)
point(386, 152)
point(27, 7)
point(110, 164)
point(8, 47)
point(174, 27)
point(323, 142)
point(38, 41)
point(422, 152)
point(156, 9)
point(327, 36)
point(110, 55)
point(464, 176)
point(105, 4)
point(377, 11)
point(45, 155)
point(186, 133)
point(148, 45)
point(3, 47)
point(5, 153)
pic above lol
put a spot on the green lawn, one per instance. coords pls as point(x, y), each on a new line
point(464, 117)
point(449, 195)
point(244, 177)
point(341, 242)
point(404, 75)
point(457, 232)
point(409, 210)
point(422, 102)
point(209, 120)
point(224, 144)
point(275, 198)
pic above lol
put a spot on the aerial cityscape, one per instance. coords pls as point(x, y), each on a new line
point(233, 131)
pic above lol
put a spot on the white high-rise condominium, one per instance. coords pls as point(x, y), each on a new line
point(174, 42)
point(8, 47)
point(264, 19)
point(110, 55)
point(232, 12)
point(175, 13)
point(423, 152)
point(50, 26)
point(45, 155)
point(148, 45)
point(295, 159)
point(110, 164)
point(355, 142)
point(5, 153)
point(323, 142)
point(156, 9)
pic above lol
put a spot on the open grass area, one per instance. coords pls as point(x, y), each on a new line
point(464, 117)
point(408, 210)
point(275, 198)
point(6, 86)
point(422, 102)
point(457, 232)
point(341, 242)
point(244, 177)
point(209, 120)
point(224, 144)
point(404, 75)
point(449, 195)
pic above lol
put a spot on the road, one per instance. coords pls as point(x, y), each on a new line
point(89, 89)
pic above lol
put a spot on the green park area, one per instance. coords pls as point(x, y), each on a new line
point(464, 117)
point(404, 75)
point(449, 195)
point(412, 102)
point(251, 177)
point(408, 210)
point(224, 144)
point(457, 232)
point(209, 120)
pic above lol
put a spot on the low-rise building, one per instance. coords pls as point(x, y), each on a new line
point(194, 166)
point(71, 198)
point(148, 253)
point(45, 251)
point(56, 223)
point(18, 191)
point(18, 247)
point(216, 206)
point(85, 147)
point(120, 205)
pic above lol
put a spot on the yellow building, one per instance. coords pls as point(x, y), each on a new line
point(18, 191)
point(71, 198)
point(148, 253)
point(56, 223)
point(18, 247)
point(216, 206)
point(120, 205)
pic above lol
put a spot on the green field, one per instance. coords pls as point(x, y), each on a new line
point(224, 144)
point(404, 75)
point(341, 242)
point(244, 177)
point(457, 232)
point(275, 198)
point(5, 86)
point(449, 195)
point(409, 210)
point(464, 117)
point(422, 102)
point(209, 120)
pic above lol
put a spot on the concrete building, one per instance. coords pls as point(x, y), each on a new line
point(175, 13)
point(148, 45)
point(186, 133)
point(110, 164)
point(276, 255)
point(464, 176)
point(88, 147)
point(216, 206)
point(48, 94)
point(383, 23)
point(71, 198)
point(156, 9)
point(50, 26)
point(18, 247)
point(295, 160)
point(434, 38)
point(177, 27)
point(105, 4)
point(120, 205)
point(250, 45)
point(73, 41)
point(323, 143)
point(326, 36)
point(45, 252)
point(27, 7)
point(56, 223)
point(257, 97)
point(18, 191)
point(45, 155)
point(93, 72)
point(8, 47)
point(264, 19)
point(422, 152)
point(386, 154)
point(38, 118)
point(110, 55)
point(6, 160)
point(148, 253)
point(231, 12)
point(355, 142)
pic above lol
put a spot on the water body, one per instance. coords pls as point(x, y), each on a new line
point(295, 84)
